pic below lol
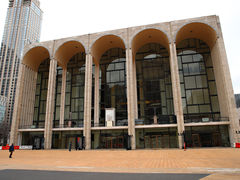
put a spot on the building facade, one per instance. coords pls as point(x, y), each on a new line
point(22, 26)
point(152, 86)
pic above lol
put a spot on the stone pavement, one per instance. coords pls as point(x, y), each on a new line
point(221, 163)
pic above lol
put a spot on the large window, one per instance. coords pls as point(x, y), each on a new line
point(58, 97)
point(74, 99)
point(41, 95)
point(112, 84)
point(154, 88)
point(198, 87)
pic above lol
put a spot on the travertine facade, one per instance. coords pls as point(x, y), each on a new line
point(169, 35)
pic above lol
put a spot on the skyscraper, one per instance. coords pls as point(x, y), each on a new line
point(22, 26)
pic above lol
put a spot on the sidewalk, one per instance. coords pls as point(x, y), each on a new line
point(220, 162)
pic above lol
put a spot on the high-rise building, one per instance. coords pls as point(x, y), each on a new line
point(161, 85)
point(22, 26)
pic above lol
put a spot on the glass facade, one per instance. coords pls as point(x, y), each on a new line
point(154, 88)
point(58, 97)
point(198, 87)
point(112, 84)
point(74, 96)
point(41, 95)
point(63, 139)
point(36, 139)
point(207, 136)
point(156, 138)
point(109, 139)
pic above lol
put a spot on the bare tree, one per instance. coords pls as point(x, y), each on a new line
point(4, 132)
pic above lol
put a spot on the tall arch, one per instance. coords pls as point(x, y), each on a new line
point(197, 30)
point(149, 36)
point(35, 56)
point(104, 43)
point(67, 50)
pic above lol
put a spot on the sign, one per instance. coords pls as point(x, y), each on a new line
point(110, 116)
point(25, 147)
point(205, 119)
point(7, 147)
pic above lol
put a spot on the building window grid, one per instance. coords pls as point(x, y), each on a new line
point(112, 85)
point(212, 113)
point(156, 85)
point(74, 103)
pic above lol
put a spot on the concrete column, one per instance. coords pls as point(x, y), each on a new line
point(50, 104)
point(96, 95)
point(176, 90)
point(88, 101)
point(130, 97)
point(224, 88)
point(135, 89)
point(17, 106)
point(63, 94)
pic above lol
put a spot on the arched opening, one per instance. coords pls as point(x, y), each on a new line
point(109, 54)
point(35, 56)
point(199, 31)
point(71, 59)
point(154, 90)
point(200, 101)
point(35, 70)
point(41, 94)
point(66, 51)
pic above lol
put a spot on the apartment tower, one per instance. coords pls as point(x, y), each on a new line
point(22, 26)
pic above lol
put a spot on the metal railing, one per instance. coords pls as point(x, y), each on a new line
point(31, 127)
point(161, 119)
point(204, 118)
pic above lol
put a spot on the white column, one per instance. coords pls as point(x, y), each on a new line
point(17, 106)
point(96, 95)
point(88, 101)
point(130, 97)
point(63, 93)
point(50, 104)
point(176, 90)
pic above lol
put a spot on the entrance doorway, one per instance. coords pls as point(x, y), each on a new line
point(112, 142)
point(38, 142)
point(156, 141)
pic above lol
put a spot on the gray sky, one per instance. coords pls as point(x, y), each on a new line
point(64, 18)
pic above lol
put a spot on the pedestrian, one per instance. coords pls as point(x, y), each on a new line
point(11, 149)
point(70, 146)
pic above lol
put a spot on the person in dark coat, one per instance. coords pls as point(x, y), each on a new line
point(11, 149)
point(70, 146)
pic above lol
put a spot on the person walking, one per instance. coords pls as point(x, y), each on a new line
point(70, 146)
point(11, 149)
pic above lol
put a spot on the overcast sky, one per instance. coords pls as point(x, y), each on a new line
point(64, 18)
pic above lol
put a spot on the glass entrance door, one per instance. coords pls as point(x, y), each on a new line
point(156, 141)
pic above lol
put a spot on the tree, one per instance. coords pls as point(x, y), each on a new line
point(4, 132)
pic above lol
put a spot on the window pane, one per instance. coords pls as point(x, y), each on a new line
point(197, 96)
point(190, 82)
point(193, 109)
point(201, 81)
point(215, 104)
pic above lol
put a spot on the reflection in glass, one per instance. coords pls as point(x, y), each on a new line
point(154, 84)
point(41, 95)
point(113, 85)
point(74, 99)
point(198, 88)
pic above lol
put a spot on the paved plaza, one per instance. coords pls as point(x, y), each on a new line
point(216, 163)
